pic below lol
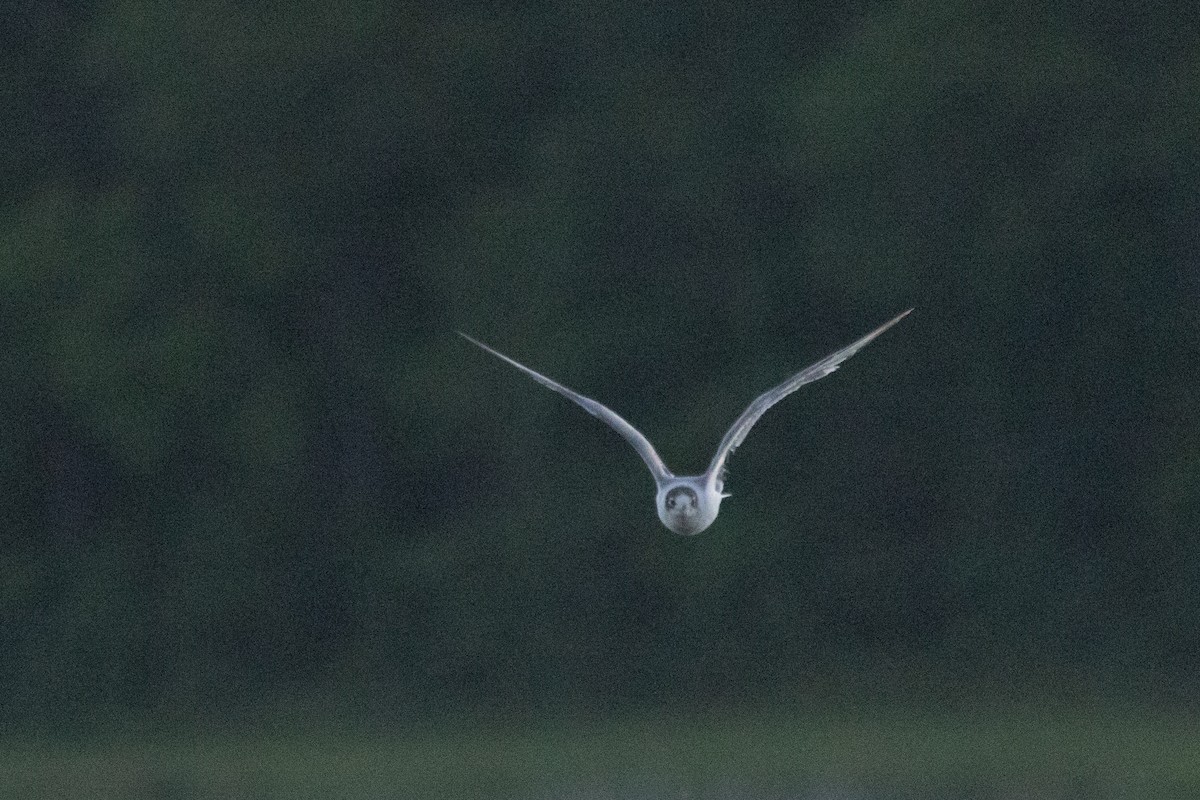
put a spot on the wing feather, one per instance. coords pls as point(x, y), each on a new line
point(632, 435)
point(742, 425)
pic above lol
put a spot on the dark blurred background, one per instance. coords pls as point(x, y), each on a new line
point(247, 464)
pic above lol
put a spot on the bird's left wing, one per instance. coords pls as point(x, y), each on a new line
point(607, 415)
point(737, 432)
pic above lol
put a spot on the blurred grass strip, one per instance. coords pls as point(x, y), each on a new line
point(1112, 753)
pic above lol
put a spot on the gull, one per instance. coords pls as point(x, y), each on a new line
point(687, 504)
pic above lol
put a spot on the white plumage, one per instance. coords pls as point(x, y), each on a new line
point(687, 504)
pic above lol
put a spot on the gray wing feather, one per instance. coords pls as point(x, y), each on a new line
point(605, 414)
point(737, 432)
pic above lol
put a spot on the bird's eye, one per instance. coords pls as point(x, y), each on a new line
point(670, 502)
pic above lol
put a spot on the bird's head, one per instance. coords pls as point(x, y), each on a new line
point(687, 508)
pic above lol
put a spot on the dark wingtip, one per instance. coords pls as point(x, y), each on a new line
point(472, 340)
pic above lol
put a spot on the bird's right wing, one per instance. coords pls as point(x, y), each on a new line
point(607, 415)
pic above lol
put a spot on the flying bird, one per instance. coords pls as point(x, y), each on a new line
point(687, 504)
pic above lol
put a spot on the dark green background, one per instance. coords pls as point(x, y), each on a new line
point(246, 464)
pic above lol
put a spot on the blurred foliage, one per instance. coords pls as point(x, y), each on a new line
point(243, 449)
